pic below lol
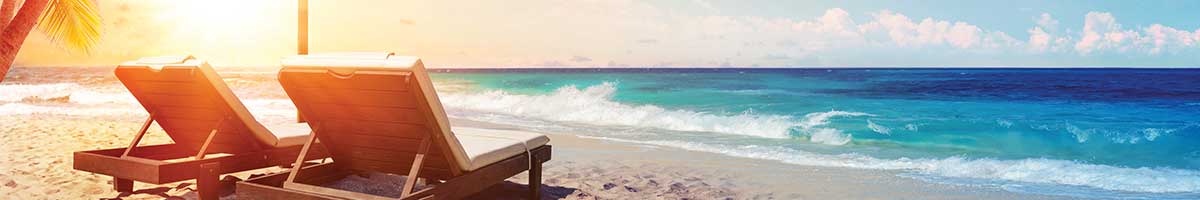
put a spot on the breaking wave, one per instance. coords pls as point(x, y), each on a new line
point(594, 106)
point(60, 93)
point(1031, 170)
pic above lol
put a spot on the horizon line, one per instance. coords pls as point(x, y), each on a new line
point(732, 67)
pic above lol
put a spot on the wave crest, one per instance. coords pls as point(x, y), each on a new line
point(60, 93)
point(1032, 170)
point(593, 105)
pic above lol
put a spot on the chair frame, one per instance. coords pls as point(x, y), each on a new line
point(453, 182)
point(160, 164)
point(304, 186)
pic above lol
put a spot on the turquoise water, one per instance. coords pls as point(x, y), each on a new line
point(1118, 133)
point(1091, 133)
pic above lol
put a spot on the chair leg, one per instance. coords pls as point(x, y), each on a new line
point(535, 179)
point(208, 184)
point(123, 185)
point(208, 187)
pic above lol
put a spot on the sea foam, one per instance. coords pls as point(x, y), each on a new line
point(74, 92)
point(879, 128)
point(593, 105)
point(1031, 170)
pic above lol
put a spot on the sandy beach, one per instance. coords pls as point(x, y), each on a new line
point(695, 99)
point(37, 152)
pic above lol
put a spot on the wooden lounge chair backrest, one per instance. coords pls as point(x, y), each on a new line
point(189, 100)
point(374, 112)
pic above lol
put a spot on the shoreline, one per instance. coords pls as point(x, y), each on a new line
point(753, 178)
point(38, 149)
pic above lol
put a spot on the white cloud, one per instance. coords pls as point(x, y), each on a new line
point(835, 21)
point(1161, 38)
point(963, 35)
point(930, 32)
point(1039, 40)
point(1102, 32)
point(1044, 37)
point(997, 39)
point(1046, 21)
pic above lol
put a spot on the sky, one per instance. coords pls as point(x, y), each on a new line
point(668, 33)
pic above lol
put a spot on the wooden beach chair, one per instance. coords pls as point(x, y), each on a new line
point(213, 133)
point(380, 113)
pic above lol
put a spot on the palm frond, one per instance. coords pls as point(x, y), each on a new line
point(75, 23)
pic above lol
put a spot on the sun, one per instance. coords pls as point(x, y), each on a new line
point(227, 19)
point(230, 32)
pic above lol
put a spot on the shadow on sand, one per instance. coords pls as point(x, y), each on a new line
point(505, 191)
point(510, 190)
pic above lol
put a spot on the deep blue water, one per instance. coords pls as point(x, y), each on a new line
point(1119, 132)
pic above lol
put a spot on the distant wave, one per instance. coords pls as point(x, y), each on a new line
point(1119, 136)
point(59, 93)
point(878, 128)
point(594, 105)
point(9, 109)
point(1033, 170)
point(813, 125)
point(71, 99)
point(1004, 123)
point(52, 99)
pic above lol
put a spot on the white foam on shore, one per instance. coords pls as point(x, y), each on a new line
point(84, 101)
point(1032, 170)
point(594, 106)
point(28, 109)
point(76, 93)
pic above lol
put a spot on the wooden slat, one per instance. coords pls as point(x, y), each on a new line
point(157, 152)
point(147, 74)
point(186, 124)
point(399, 144)
point(379, 155)
point(387, 129)
point(224, 136)
point(366, 123)
point(166, 113)
point(189, 101)
point(394, 168)
point(391, 99)
point(358, 82)
point(321, 173)
point(195, 145)
point(434, 125)
point(170, 88)
point(376, 114)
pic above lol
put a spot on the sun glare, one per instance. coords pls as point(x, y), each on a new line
point(230, 31)
point(225, 19)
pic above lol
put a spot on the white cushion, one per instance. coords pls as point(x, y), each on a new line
point(289, 134)
point(485, 146)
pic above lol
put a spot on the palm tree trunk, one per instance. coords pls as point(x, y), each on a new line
point(7, 10)
point(14, 34)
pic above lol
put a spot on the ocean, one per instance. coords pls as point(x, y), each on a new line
point(1090, 133)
